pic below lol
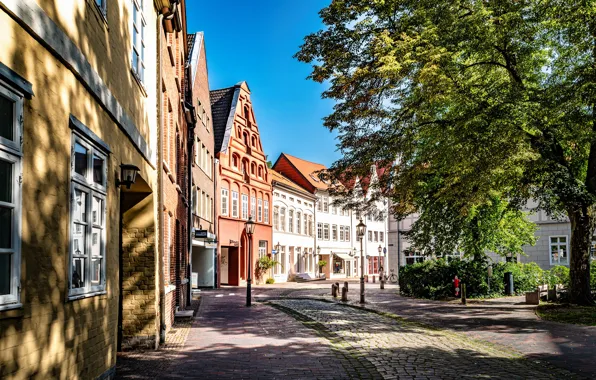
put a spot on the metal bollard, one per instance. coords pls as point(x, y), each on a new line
point(374, 279)
point(333, 291)
point(346, 285)
point(382, 281)
point(344, 294)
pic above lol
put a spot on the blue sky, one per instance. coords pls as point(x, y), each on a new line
point(255, 41)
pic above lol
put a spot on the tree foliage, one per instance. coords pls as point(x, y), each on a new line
point(467, 100)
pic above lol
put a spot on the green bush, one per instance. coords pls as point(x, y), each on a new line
point(270, 281)
point(593, 276)
point(561, 275)
point(434, 278)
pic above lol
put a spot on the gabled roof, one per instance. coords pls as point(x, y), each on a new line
point(279, 178)
point(303, 172)
point(221, 111)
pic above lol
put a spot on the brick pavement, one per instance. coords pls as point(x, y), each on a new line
point(392, 348)
point(507, 322)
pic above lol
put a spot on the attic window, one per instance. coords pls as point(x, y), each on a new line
point(314, 178)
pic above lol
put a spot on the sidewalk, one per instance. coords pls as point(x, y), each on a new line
point(507, 322)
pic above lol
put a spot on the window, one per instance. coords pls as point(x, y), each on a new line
point(244, 206)
point(262, 248)
point(298, 223)
point(559, 250)
point(320, 204)
point(291, 221)
point(266, 211)
point(260, 210)
point(282, 219)
point(370, 236)
point(260, 171)
point(283, 259)
point(235, 160)
point(347, 233)
point(413, 257)
point(234, 204)
point(253, 207)
point(341, 233)
point(310, 225)
point(320, 231)
point(11, 110)
point(224, 202)
point(381, 236)
point(376, 234)
point(334, 210)
point(87, 221)
point(593, 250)
point(305, 230)
point(334, 232)
point(325, 204)
point(138, 39)
point(325, 231)
point(102, 5)
point(291, 199)
point(276, 218)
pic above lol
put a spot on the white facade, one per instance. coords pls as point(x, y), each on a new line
point(293, 232)
point(336, 237)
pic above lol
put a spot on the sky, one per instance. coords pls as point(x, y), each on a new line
point(254, 41)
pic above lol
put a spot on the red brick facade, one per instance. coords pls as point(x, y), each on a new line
point(243, 183)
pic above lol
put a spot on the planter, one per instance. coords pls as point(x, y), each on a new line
point(533, 298)
point(551, 295)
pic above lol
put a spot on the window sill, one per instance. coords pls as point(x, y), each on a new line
point(14, 310)
point(139, 82)
point(86, 295)
point(169, 289)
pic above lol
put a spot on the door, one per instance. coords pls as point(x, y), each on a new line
point(225, 260)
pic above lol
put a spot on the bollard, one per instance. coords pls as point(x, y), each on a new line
point(333, 291)
point(382, 282)
point(346, 285)
point(344, 294)
point(374, 279)
point(464, 300)
point(337, 288)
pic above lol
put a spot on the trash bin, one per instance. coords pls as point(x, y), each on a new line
point(508, 283)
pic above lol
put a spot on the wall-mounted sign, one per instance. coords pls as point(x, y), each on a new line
point(234, 243)
point(204, 234)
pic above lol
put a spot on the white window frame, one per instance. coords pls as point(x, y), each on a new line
point(138, 34)
point(253, 207)
point(92, 190)
point(282, 219)
point(326, 204)
point(326, 231)
point(245, 206)
point(291, 221)
point(234, 204)
point(11, 151)
point(260, 210)
point(347, 233)
point(341, 233)
point(266, 211)
point(298, 222)
point(415, 256)
point(276, 218)
point(558, 244)
point(334, 232)
point(320, 231)
point(224, 202)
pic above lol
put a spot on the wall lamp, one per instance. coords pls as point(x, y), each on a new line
point(129, 174)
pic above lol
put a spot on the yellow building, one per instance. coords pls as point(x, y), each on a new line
point(77, 101)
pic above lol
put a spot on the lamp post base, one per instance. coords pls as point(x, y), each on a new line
point(248, 294)
point(362, 289)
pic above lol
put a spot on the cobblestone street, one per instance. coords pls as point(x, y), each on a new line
point(313, 339)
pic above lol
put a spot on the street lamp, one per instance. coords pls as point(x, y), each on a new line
point(317, 259)
point(250, 229)
point(360, 232)
point(382, 267)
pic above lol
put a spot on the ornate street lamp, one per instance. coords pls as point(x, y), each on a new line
point(382, 267)
point(317, 259)
point(250, 229)
point(360, 232)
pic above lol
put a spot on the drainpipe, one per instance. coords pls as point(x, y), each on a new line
point(189, 145)
point(215, 216)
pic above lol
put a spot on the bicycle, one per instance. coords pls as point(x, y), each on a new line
point(392, 277)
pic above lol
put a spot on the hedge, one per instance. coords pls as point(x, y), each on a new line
point(434, 278)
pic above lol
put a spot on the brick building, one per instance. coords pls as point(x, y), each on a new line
point(243, 183)
point(203, 253)
point(77, 101)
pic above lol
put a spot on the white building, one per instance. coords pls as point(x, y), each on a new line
point(293, 229)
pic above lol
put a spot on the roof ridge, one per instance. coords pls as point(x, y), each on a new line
point(302, 159)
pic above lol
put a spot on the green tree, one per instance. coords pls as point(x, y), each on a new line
point(467, 100)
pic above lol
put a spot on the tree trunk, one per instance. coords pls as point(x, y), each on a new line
point(582, 229)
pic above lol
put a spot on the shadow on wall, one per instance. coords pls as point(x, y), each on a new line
point(51, 337)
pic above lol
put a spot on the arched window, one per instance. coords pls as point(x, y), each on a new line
point(238, 133)
point(247, 115)
point(254, 141)
point(235, 160)
point(260, 171)
point(253, 168)
point(245, 138)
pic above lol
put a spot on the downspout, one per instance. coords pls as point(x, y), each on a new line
point(189, 146)
point(160, 203)
point(215, 224)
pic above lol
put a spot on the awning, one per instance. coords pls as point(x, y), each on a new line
point(343, 255)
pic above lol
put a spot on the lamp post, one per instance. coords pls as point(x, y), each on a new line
point(382, 267)
point(360, 231)
point(250, 229)
point(317, 259)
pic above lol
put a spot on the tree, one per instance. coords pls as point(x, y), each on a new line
point(466, 100)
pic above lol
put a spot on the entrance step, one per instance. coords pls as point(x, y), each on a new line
point(305, 277)
point(184, 314)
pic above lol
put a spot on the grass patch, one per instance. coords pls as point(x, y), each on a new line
point(578, 315)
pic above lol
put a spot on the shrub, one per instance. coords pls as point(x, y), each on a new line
point(434, 278)
point(561, 275)
point(270, 281)
point(263, 265)
point(593, 276)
